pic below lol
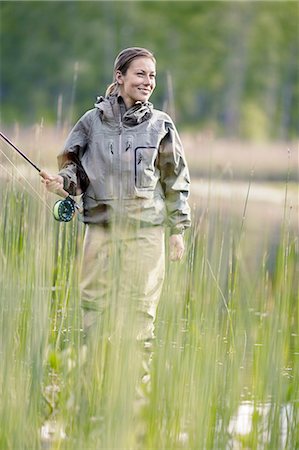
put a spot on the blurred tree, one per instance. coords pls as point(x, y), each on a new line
point(229, 66)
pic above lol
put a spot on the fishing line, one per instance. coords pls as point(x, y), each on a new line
point(23, 177)
point(63, 210)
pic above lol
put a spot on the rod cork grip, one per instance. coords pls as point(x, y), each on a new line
point(63, 193)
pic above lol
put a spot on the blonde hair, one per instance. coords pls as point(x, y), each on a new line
point(122, 63)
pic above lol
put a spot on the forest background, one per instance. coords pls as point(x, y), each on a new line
point(227, 67)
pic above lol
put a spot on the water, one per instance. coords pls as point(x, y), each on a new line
point(254, 417)
point(249, 418)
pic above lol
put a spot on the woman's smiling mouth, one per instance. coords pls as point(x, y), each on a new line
point(146, 91)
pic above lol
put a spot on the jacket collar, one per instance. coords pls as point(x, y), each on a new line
point(110, 111)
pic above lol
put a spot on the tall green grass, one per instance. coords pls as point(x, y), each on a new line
point(227, 333)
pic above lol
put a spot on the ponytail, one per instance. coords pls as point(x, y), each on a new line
point(112, 89)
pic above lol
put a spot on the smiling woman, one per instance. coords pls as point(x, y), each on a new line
point(127, 159)
point(134, 75)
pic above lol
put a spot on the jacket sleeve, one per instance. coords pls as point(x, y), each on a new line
point(175, 180)
point(69, 160)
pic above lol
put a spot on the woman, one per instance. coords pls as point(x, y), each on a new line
point(127, 160)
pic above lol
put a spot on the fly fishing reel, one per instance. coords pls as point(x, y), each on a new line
point(64, 210)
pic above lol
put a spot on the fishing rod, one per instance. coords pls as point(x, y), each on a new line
point(63, 210)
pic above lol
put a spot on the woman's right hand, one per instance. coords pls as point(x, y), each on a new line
point(177, 247)
point(53, 183)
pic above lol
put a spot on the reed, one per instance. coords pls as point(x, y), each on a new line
point(227, 336)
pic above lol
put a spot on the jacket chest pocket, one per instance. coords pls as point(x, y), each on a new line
point(106, 184)
point(145, 171)
point(127, 168)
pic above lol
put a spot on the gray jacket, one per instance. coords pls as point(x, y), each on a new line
point(129, 165)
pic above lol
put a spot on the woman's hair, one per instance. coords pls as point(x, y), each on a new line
point(123, 61)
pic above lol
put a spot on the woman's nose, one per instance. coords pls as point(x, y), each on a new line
point(147, 80)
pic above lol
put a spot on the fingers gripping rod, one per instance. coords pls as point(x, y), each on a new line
point(63, 210)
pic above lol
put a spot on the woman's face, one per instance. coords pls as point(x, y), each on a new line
point(139, 81)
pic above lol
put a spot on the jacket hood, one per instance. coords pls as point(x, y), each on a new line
point(135, 115)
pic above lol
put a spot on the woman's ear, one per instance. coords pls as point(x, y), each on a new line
point(119, 77)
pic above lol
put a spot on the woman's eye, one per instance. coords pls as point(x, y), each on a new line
point(142, 74)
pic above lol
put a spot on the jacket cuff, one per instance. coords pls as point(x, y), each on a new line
point(68, 185)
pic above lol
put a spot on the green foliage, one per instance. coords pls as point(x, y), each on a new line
point(227, 336)
point(230, 62)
